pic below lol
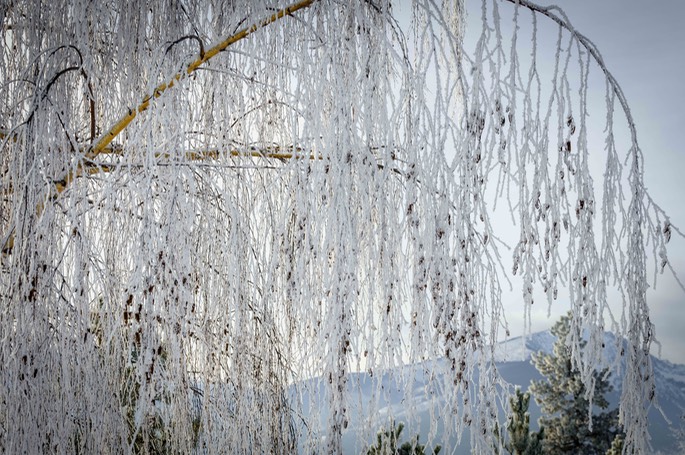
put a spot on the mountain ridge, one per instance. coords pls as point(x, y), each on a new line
point(412, 392)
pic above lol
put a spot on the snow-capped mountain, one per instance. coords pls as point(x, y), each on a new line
point(669, 378)
point(390, 395)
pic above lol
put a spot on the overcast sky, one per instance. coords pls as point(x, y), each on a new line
point(643, 45)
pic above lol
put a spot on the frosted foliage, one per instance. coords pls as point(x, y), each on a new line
point(317, 199)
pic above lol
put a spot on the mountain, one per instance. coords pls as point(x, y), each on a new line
point(514, 360)
point(412, 392)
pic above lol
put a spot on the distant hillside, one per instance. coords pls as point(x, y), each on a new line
point(392, 397)
point(669, 377)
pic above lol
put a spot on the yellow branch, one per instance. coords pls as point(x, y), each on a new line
point(278, 153)
point(118, 127)
point(102, 145)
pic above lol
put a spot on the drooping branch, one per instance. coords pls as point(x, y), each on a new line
point(201, 59)
point(316, 209)
point(638, 392)
point(103, 144)
point(557, 15)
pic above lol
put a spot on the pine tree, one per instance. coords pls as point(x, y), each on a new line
point(519, 439)
point(566, 410)
point(387, 444)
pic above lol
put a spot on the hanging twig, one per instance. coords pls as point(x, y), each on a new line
point(557, 15)
point(119, 126)
point(101, 145)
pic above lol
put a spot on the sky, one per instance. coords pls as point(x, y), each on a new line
point(643, 46)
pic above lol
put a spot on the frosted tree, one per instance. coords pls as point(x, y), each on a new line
point(573, 423)
point(205, 204)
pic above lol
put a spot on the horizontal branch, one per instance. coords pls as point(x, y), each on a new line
point(201, 59)
point(103, 144)
point(106, 139)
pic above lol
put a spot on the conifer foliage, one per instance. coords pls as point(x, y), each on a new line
point(518, 439)
point(616, 446)
point(575, 419)
point(388, 443)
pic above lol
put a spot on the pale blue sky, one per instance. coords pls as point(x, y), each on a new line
point(646, 46)
point(643, 45)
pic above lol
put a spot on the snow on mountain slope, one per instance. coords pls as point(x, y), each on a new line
point(386, 394)
point(520, 348)
point(669, 378)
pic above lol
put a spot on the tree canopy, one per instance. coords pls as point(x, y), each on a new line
point(268, 193)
